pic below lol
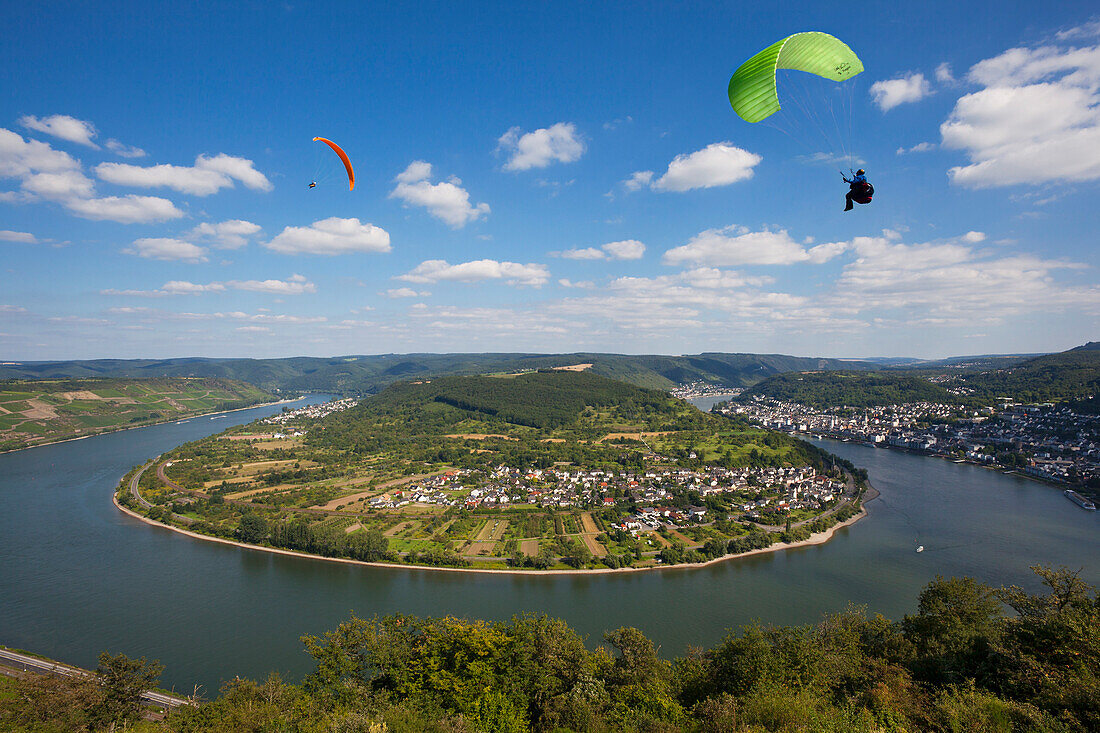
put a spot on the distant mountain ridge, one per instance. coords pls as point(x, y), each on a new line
point(1067, 376)
point(370, 374)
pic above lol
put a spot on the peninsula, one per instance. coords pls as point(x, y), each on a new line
point(551, 470)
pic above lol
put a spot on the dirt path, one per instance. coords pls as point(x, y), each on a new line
point(660, 539)
point(594, 547)
point(492, 530)
point(39, 410)
point(683, 538)
point(399, 528)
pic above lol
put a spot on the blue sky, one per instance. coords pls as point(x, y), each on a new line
point(543, 177)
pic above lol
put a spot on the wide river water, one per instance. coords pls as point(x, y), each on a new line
point(78, 577)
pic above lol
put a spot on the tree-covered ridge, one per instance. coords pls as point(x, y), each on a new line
point(1069, 375)
point(854, 389)
point(1064, 377)
point(543, 400)
point(970, 658)
point(41, 411)
point(369, 374)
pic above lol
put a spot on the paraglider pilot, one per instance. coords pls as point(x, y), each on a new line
point(859, 190)
point(313, 184)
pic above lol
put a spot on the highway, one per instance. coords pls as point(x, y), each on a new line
point(14, 661)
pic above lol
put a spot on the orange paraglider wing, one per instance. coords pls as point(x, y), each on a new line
point(344, 157)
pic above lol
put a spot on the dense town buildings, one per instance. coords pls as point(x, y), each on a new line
point(1044, 441)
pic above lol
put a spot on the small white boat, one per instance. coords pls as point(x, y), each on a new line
point(920, 548)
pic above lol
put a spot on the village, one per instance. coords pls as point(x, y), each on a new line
point(654, 497)
point(1043, 441)
point(319, 410)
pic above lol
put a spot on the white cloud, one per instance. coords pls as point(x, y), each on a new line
point(64, 127)
point(182, 287)
point(60, 185)
point(944, 75)
point(231, 234)
point(627, 249)
point(332, 236)
point(638, 180)
point(164, 248)
point(57, 176)
point(275, 318)
point(253, 329)
point(1036, 119)
point(953, 282)
point(718, 164)
point(446, 201)
point(586, 253)
point(431, 271)
point(1087, 30)
point(207, 176)
point(831, 159)
point(172, 287)
point(6, 235)
point(735, 245)
point(918, 148)
point(540, 148)
point(891, 93)
point(241, 169)
point(294, 285)
point(125, 151)
point(125, 209)
point(613, 124)
point(19, 157)
point(485, 325)
point(405, 293)
point(418, 170)
point(583, 284)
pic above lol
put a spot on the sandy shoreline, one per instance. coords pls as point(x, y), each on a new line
point(149, 425)
point(818, 538)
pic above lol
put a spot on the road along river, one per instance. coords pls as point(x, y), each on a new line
point(79, 577)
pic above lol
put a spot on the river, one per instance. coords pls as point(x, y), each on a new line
point(79, 577)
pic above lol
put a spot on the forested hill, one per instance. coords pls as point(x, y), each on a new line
point(370, 374)
point(542, 401)
point(1066, 376)
point(853, 389)
point(1069, 375)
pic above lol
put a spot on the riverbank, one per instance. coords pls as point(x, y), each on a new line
point(177, 418)
point(817, 538)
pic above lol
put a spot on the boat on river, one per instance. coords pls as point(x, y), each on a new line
point(1079, 500)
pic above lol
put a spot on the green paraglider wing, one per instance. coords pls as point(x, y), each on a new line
point(752, 90)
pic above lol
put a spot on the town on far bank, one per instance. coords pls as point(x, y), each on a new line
point(536, 471)
point(1046, 441)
